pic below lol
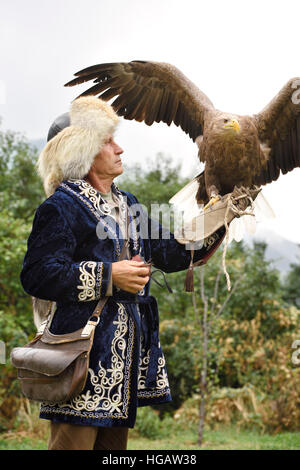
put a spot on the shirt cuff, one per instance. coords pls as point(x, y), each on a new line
point(109, 290)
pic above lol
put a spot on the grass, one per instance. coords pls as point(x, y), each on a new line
point(224, 439)
point(151, 433)
point(227, 438)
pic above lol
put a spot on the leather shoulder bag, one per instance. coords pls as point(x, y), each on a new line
point(54, 367)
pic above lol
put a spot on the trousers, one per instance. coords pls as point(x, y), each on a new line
point(64, 436)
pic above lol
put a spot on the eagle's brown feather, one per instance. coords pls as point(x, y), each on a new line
point(278, 125)
point(266, 143)
point(168, 95)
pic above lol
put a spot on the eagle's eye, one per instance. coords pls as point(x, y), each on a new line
point(225, 120)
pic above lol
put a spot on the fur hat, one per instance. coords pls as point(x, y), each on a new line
point(71, 152)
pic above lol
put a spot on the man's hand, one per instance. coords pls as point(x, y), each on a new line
point(129, 275)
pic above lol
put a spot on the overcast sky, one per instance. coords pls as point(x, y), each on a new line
point(239, 53)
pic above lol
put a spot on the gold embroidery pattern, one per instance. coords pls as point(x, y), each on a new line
point(93, 195)
point(103, 384)
point(162, 382)
point(209, 241)
point(90, 286)
point(143, 367)
point(97, 215)
point(99, 279)
point(110, 398)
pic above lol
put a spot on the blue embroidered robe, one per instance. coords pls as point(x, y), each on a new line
point(67, 262)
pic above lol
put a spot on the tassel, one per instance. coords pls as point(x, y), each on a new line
point(189, 279)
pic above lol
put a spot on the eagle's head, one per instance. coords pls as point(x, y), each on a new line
point(231, 124)
point(225, 125)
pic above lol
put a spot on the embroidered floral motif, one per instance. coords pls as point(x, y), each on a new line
point(209, 241)
point(90, 282)
point(93, 195)
point(143, 367)
point(162, 378)
point(100, 218)
point(103, 208)
point(162, 382)
point(110, 395)
point(103, 384)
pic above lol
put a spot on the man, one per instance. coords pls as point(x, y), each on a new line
point(72, 259)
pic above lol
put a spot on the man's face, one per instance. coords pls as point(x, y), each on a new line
point(107, 162)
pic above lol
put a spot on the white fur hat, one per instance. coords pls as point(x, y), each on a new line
point(70, 154)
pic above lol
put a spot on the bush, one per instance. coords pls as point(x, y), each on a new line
point(149, 425)
point(263, 391)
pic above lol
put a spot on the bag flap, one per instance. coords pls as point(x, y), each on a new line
point(43, 361)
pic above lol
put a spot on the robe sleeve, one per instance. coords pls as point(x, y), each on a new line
point(49, 270)
point(169, 255)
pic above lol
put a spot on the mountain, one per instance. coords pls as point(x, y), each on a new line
point(280, 251)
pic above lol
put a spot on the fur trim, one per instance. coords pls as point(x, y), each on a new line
point(70, 154)
point(40, 309)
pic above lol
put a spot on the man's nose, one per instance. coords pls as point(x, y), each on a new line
point(118, 150)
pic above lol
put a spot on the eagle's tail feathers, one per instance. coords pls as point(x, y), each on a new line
point(263, 210)
point(187, 192)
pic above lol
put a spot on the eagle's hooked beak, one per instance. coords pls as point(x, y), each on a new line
point(233, 124)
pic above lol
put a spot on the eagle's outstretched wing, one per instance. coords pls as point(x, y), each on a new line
point(279, 127)
point(149, 92)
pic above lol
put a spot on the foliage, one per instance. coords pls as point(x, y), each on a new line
point(148, 423)
point(251, 382)
point(179, 435)
point(20, 193)
point(179, 340)
point(155, 183)
point(263, 390)
point(15, 307)
point(21, 190)
point(254, 321)
point(292, 285)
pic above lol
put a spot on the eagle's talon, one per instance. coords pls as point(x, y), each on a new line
point(211, 202)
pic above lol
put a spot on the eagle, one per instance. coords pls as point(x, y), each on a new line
point(238, 150)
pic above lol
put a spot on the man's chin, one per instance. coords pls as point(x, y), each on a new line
point(119, 171)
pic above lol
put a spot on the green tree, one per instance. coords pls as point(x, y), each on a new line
point(291, 285)
point(20, 187)
point(20, 193)
point(258, 295)
point(154, 183)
